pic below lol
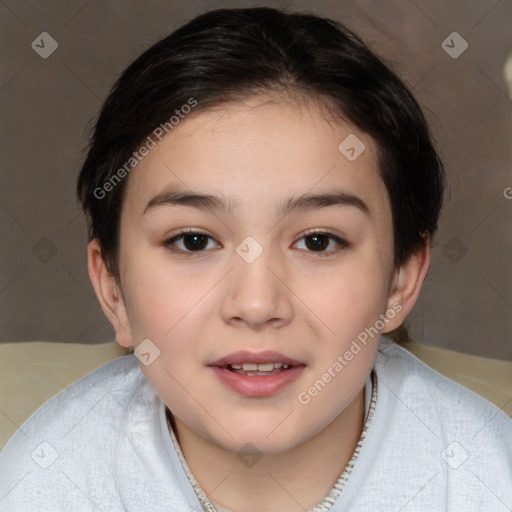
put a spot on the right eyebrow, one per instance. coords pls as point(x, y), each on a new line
point(176, 197)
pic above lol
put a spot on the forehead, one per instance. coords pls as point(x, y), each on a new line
point(257, 151)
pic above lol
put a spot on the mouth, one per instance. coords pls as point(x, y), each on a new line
point(252, 363)
point(257, 374)
point(252, 369)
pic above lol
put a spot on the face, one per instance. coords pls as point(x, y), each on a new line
point(247, 229)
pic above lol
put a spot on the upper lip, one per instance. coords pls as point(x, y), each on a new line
point(244, 356)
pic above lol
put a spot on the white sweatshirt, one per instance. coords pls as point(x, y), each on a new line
point(103, 444)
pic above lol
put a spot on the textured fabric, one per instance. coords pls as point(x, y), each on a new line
point(100, 445)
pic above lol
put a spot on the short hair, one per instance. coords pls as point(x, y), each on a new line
point(227, 55)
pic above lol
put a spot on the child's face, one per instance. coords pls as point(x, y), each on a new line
point(200, 306)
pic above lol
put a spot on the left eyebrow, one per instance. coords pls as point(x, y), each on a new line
point(316, 201)
point(301, 203)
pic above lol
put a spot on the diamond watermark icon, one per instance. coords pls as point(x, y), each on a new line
point(44, 249)
point(454, 250)
point(351, 147)
point(454, 45)
point(44, 45)
point(146, 352)
point(249, 250)
point(249, 459)
point(454, 455)
point(44, 455)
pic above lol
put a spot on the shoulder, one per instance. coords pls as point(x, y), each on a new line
point(77, 426)
point(101, 392)
point(98, 445)
point(451, 410)
point(431, 434)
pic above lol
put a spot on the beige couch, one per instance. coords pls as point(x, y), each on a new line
point(32, 372)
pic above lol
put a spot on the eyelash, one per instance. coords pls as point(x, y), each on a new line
point(342, 244)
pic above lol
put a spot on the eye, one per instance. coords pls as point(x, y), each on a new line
point(319, 241)
point(196, 241)
point(190, 241)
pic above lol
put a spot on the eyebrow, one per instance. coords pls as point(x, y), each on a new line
point(305, 202)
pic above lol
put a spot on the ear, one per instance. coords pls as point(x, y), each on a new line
point(108, 293)
point(406, 285)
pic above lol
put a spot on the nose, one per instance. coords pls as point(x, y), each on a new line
point(256, 294)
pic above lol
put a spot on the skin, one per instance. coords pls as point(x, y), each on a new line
point(198, 306)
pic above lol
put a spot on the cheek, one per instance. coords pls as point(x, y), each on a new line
point(347, 299)
point(166, 312)
point(161, 297)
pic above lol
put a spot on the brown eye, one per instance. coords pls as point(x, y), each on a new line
point(322, 243)
point(317, 242)
point(189, 241)
point(195, 242)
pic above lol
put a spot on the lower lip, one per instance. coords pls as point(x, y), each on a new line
point(257, 385)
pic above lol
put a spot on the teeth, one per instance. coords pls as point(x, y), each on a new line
point(262, 367)
point(268, 367)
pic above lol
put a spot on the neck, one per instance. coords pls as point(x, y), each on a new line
point(270, 484)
